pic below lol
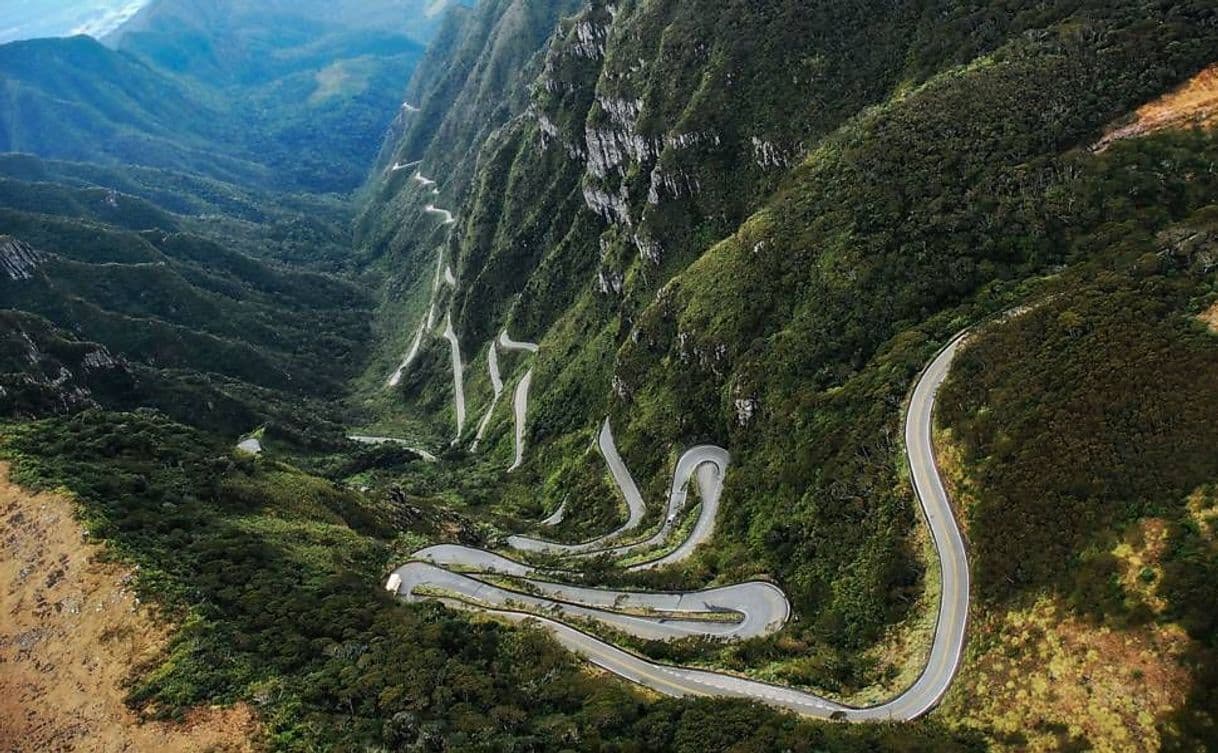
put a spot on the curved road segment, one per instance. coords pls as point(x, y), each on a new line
point(520, 402)
point(746, 610)
point(682, 614)
point(396, 377)
point(520, 406)
point(458, 375)
point(492, 364)
point(390, 440)
point(449, 219)
point(708, 463)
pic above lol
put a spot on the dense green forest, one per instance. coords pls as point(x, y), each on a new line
point(274, 576)
point(743, 223)
point(946, 161)
point(1089, 414)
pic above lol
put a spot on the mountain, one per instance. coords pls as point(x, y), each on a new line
point(307, 113)
point(202, 331)
point(229, 22)
point(642, 375)
point(74, 99)
point(751, 225)
point(32, 19)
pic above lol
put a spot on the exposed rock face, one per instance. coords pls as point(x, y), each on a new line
point(746, 408)
point(674, 185)
point(769, 155)
point(101, 359)
point(18, 259)
point(46, 372)
point(613, 208)
point(591, 39)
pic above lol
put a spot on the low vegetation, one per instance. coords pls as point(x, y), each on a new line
point(1085, 429)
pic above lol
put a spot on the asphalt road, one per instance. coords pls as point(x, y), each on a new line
point(492, 364)
point(746, 610)
point(520, 407)
point(449, 219)
point(396, 377)
point(705, 464)
point(458, 375)
point(708, 465)
point(520, 402)
point(390, 440)
point(507, 343)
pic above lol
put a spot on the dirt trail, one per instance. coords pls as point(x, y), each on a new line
point(71, 633)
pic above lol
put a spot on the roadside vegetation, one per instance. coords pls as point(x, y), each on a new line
point(275, 579)
point(1086, 430)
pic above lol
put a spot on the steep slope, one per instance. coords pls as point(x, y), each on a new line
point(74, 99)
point(180, 322)
point(751, 225)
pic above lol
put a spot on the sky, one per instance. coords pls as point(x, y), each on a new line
point(25, 19)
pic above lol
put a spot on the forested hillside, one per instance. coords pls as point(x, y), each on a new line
point(752, 225)
point(295, 96)
point(747, 224)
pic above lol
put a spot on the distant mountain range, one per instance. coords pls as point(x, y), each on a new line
point(60, 18)
point(277, 94)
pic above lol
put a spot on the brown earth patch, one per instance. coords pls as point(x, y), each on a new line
point(71, 634)
point(1210, 317)
point(1193, 105)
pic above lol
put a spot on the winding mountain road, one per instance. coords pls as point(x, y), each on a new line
point(520, 408)
point(548, 603)
point(746, 610)
point(396, 377)
point(473, 579)
point(449, 219)
point(520, 401)
point(507, 343)
point(374, 441)
point(635, 506)
point(458, 375)
point(492, 364)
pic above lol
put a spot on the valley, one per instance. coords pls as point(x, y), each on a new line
point(632, 376)
point(709, 464)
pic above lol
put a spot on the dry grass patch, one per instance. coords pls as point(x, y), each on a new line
point(71, 634)
point(1210, 318)
point(1203, 509)
point(960, 491)
point(1038, 677)
point(1193, 105)
point(1140, 554)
